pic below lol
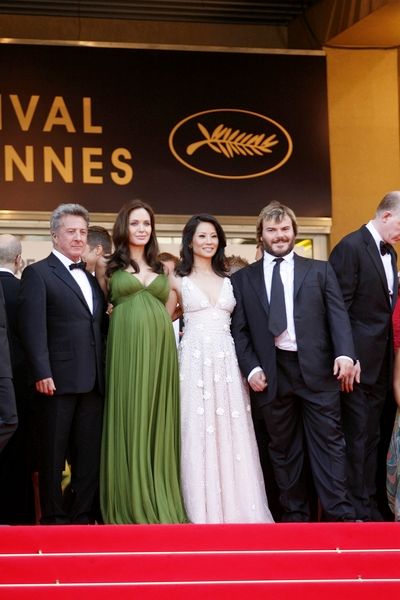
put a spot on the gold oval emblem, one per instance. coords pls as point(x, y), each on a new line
point(230, 143)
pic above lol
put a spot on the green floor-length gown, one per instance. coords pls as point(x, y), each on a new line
point(140, 480)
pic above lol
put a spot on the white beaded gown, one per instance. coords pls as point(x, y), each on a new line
point(221, 475)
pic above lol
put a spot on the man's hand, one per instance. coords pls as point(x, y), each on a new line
point(346, 372)
point(258, 382)
point(46, 386)
point(357, 371)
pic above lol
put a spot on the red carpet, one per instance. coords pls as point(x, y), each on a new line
point(301, 561)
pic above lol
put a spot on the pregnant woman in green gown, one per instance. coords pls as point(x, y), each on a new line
point(140, 481)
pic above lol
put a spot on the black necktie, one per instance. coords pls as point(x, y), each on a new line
point(384, 248)
point(277, 310)
point(78, 265)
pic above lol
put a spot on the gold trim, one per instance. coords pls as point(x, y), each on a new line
point(150, 46)
point(37, 223)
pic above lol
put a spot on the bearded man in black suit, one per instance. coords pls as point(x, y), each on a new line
point(365, 265)
point(61, 311)
point(296, 353)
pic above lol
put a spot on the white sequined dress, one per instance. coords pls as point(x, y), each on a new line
point(221, 476)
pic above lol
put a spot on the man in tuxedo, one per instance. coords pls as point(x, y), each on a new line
point(293, 341)
point(61, 311)
point(365, 265)
point(17, 462)
point(8, 409)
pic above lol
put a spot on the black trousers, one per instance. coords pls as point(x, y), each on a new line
point(295, 414)
point(70, 422)
point(361, 414)
point(8, 411)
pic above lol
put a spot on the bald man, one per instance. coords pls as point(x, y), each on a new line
point(18, 459)
point(365, 263)
point(8, 411)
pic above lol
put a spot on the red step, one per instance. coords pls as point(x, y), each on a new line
point(278, 561)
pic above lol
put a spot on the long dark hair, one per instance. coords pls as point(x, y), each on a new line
point(121, 258)
point(185, 264)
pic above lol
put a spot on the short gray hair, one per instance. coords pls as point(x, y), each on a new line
point(390, 202)
point(10, 248)
point(64, 210)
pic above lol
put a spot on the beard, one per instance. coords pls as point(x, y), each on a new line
point(274, 251)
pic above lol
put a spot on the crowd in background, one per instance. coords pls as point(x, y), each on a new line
point(139, 387)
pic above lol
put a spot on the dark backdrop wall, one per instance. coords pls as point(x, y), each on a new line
point(186, 131)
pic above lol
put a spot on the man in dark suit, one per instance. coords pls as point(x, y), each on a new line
point(365, 265)
point(17, 461)
point(296, 360)
point(8, 409)
point(61, 311)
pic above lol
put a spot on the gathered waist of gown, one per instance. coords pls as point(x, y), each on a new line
point(128, 297)
point(199, 323)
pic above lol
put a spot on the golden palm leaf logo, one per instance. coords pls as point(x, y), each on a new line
point(255, 144)
point(231, 142)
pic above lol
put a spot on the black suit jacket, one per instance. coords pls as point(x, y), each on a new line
point(359, 269)
point(61, 337)
point(11, 286)
point(8, 409)
point(5, 361)
point(23, 380)
point(321, 323)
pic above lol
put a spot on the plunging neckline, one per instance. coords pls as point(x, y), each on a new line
point(205, 295)
point(141, 283)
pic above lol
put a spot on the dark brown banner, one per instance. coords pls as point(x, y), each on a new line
point(186, 131)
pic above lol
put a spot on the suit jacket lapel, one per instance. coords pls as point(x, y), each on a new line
point(393, 256)
point(95, 294)
point(301, 267)
point(256, 277)
point(60, 271)
point(373, 252)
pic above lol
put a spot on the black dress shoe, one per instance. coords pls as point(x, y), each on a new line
point(295, 517)
point(376, 515)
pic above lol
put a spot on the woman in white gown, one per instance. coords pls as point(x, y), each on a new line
point(221, 476)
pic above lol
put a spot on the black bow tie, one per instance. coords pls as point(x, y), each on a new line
point(78, 265)
point(384, 248)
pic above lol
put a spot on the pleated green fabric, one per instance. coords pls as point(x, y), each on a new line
point(139, 479)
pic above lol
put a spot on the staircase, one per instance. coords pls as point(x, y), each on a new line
point(278, 561)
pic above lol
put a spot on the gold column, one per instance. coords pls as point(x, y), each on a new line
point(363, 98)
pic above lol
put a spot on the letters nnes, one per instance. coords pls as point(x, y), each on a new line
point(42, 163)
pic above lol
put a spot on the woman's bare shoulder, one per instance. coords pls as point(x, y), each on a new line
point(175, 281)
